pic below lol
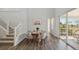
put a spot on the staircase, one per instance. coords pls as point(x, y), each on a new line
point(8, 38)
point(9, 33)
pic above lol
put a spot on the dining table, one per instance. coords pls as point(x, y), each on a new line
point(36, 36)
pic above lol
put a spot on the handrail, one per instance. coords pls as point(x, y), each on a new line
point(17, 33)
point(17, 26)
point(15, 30)
point(3, 28)
point(3, 25)
point(8, 27)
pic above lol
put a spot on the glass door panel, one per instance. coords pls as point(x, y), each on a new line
point(62, 27)
point(73, 25)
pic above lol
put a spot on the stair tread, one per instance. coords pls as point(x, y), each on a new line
point(6, 41)
point(10, 35)
point(7, 38)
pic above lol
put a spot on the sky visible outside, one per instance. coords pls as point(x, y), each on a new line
point(71, 20)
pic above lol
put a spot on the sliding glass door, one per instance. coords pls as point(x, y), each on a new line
point(73, 25)
point(63, 27)
point(69, 26)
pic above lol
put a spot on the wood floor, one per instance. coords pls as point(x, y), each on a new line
point(51, 43)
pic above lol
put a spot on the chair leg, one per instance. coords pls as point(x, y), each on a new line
point(43, 43)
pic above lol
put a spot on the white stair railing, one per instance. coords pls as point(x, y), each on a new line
point(4, 26)
point(4, 29)
point(17, 29)
point(17, 32)
point(8, 28)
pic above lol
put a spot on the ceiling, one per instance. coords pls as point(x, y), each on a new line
point(74, 13)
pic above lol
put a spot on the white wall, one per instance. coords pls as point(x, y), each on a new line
point(2, 33)
point(40, 13)
point(16, 16)
point(13, 16)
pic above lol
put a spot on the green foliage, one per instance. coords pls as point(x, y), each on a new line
point(70, 30)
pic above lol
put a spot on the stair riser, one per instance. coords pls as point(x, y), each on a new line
point(10, 35)
point(6, 44)
point(6, 39)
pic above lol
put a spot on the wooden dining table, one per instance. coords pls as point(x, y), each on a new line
point(35, 36)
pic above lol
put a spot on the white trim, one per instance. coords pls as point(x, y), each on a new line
point(24, 36)
point(3, 28)
point(17, 26)
point(15, 34)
